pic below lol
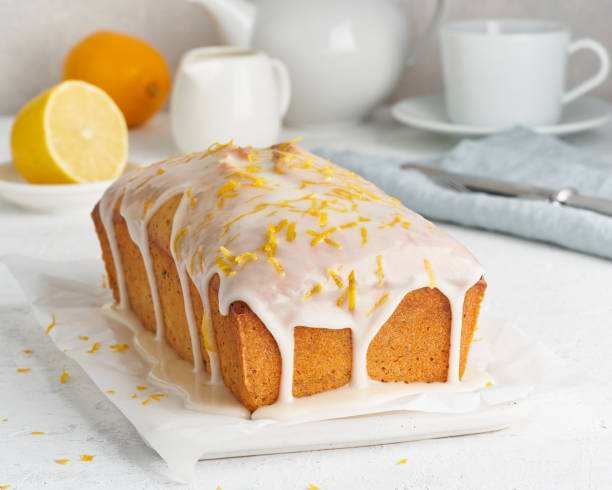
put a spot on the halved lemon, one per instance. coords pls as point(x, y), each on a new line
point(72, 133)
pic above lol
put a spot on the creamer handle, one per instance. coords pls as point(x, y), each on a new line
point(284, 84)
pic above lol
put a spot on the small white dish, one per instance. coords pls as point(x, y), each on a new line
point(429, 113)
point(50, 198)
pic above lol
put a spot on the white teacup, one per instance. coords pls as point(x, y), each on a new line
point(505, 72)
point(223, 93)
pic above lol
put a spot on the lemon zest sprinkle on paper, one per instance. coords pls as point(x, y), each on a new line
point(27, 351)
point(64, 376)
point(83, 337)
point(312, 486)
point(489, 383)
point(111, 392)
point(119, 347)
point(52, 324)
point(140, 387)
point(37, 433)
point(364, 236)
point(401, 461)
point(23, 370)
point(87, 457)
point(62, 461)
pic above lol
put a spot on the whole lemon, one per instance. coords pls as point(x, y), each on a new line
point(129, 69)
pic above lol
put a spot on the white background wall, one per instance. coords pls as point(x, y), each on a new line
point(36, 34)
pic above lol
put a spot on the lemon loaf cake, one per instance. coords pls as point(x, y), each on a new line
point(284, 275)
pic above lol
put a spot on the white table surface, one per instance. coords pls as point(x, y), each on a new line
point(561, 297)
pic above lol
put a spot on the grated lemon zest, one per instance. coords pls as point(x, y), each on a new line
point(287, 144)
point(94, 348)
point(23, 370)
point(291, 232)
point(352, 294)
point(227, 254)
point(319, 237)
point(332, 243)
point(64, 376)
point(246, 257)
point(62, 461)
point(401, 461)
point(27, 351)
point(489, 383)
point(37, 433)
point(312, 486)
point(379, 302)
point(391, 223)
point(83, 337)
point(348, 225)
point(224, 267)
point(362, 219)
point(177, 237)
point(364, 236)
point(336, 277)
point(316, 289)
point(380, 272)
point(87, 457)
point(119, 347)
point(430, 273)
point(208, 345)
point(322, 219)
point(160, 171)
point(140, 387)
point(111, 392)
point(52, 324)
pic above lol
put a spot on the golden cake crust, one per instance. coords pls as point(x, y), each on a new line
point(412, 345)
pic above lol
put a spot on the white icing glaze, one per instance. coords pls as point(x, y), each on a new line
point(240, 198)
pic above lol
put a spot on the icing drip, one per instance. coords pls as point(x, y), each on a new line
point(331, 249)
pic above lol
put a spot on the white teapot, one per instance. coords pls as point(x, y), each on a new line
point(344, 56)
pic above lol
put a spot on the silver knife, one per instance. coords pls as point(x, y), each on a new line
point(566, 196)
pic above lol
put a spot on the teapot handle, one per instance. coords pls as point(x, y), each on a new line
point(429, 33)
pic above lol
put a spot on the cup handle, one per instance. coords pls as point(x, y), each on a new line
point(284, 84)
point(429, 33)
point(598, 78)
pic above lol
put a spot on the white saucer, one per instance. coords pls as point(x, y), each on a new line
point(429, 112)
point(50, 198)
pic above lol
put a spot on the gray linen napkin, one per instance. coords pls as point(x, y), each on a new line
point(517, 155)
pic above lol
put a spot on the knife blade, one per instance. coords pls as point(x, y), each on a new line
point(565, 196)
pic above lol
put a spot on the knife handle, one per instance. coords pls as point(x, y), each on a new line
point(570, 197)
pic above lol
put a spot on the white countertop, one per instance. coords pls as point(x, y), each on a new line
point(561, 297)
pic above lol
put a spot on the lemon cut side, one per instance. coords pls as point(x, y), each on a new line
point(72, 133)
